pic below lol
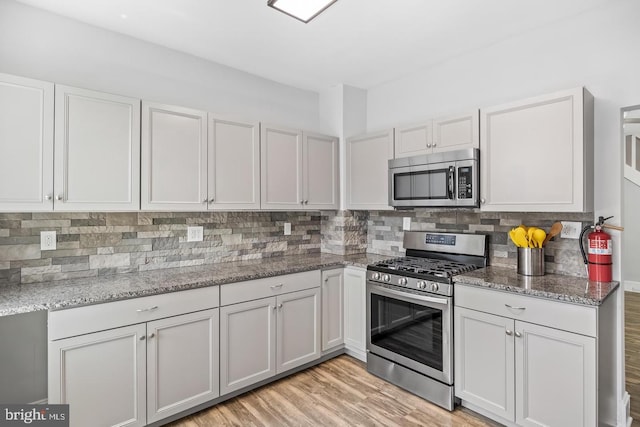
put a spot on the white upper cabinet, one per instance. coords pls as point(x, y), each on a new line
point(174, 158)
point(441, 134)
point(320, 172)
point(26, 144)
point(97, 151)
point(537, 155)
point(368, 171)
point(234, 164)
point(281, 168)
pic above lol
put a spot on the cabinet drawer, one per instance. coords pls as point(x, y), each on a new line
point(569, 317)
point(98, 317)
point(233, 293)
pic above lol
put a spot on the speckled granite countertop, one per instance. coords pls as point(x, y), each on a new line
point(76, 292)
point(570, 289)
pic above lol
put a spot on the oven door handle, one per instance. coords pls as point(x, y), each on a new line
point(443, 301)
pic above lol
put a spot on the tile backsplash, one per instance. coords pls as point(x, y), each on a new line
point(384, 233)
point(92, 244)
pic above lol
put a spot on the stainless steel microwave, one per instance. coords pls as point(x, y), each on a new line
point(446, 179)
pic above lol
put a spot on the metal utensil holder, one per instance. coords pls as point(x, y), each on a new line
point(531, 261)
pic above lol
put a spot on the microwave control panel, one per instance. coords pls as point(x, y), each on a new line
point(465, 180)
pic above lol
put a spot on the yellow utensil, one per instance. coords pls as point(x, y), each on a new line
point(539, 235)
point(530, 232)
point(520, 238)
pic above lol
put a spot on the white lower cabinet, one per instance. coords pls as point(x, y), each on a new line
point(521, 372)
point(355, 311)
point(265, 337)
point(332, 309)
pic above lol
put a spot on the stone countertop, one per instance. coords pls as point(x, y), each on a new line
point(576, 290)
point(63, 294)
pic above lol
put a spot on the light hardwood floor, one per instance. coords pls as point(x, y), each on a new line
point(632, 351)
point(339, 392)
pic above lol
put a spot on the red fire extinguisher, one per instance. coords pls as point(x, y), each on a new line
point(599, 249)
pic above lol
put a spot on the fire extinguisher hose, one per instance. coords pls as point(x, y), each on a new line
point(584, 255)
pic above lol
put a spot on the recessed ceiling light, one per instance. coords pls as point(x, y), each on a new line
point(304, 10)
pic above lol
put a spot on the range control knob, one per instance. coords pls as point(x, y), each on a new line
point(375, 276)
point(386, 277)
point(402, 281)
point(434, 287)
point(421, 284)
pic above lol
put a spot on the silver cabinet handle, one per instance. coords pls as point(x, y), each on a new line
point(433, 145)
point(428, 145)
point(326, 279)
point(278, 286)
point(141, 310)
point(306, 202)
point(205, 201)
point(280, 306)
point(59, 197)
point(515, 308)
point(151, 335)
point(211, 200)
point(483, 201)
point(518, 334)
point(302, 202)
point(275, 307)
point(48, 197)
point(142, 338)
point(509, 332)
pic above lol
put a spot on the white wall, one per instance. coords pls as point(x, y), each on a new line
point(631, 235)
point(597, 49)
point(41, 45)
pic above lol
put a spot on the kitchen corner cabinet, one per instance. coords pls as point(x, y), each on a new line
point(161, 362)
point(367, 168)
point(524, 360)
point(97, 151)
point(233, 164)
point(174, 158)
point(447, 133)
point(537, 154)
point(299, 170)
point(26, 144)
point(332, 309)
point(268, 326)
point(355, 312)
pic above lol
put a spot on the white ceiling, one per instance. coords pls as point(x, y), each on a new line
point(362, 43)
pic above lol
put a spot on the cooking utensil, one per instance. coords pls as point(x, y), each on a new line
point(530, 240)
point(556, 228)
point(539, 236)
point(520, 238)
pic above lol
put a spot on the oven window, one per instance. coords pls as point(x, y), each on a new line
point(430, 184)
point(407, 329)
point(402, 186)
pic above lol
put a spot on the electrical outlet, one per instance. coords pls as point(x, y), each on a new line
point(195, 234)
point(287, 228)
point(47, 240)
point(406, 223)
point(570, 230)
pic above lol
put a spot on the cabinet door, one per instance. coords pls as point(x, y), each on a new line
point(332, 308)
point(543, 355)
point(413, 140)
point(26, 144)
point(321, 171)
point(182, 363)
point(234, 164)
point(368, 171)
point(484, 365)
point(537, 155)
point(281, 161)
point(101, 376)
point(97, 151)
point(298, 329)
point(355, 312)
point(247, 343)
point(456, 132)
point(174, 158)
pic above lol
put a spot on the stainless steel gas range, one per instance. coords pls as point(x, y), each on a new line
point(410, 311)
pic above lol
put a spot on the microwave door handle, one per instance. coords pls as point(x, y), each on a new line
point(452, 173)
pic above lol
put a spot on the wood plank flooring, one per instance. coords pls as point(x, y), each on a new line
point(339, 392)
point(632, 351)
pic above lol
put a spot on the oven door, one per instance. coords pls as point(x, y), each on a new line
point(424, 185)
point(411, 330)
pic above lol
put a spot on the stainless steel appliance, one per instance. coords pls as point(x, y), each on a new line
point(410, 311)
point(447, 179)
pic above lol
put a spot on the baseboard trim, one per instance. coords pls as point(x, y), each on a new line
point(631, 286)
point(358, 354)
point(624, 413)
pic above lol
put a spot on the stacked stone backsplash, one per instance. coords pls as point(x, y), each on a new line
point(95, 244)
point(562, 256)
point(344, 232)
